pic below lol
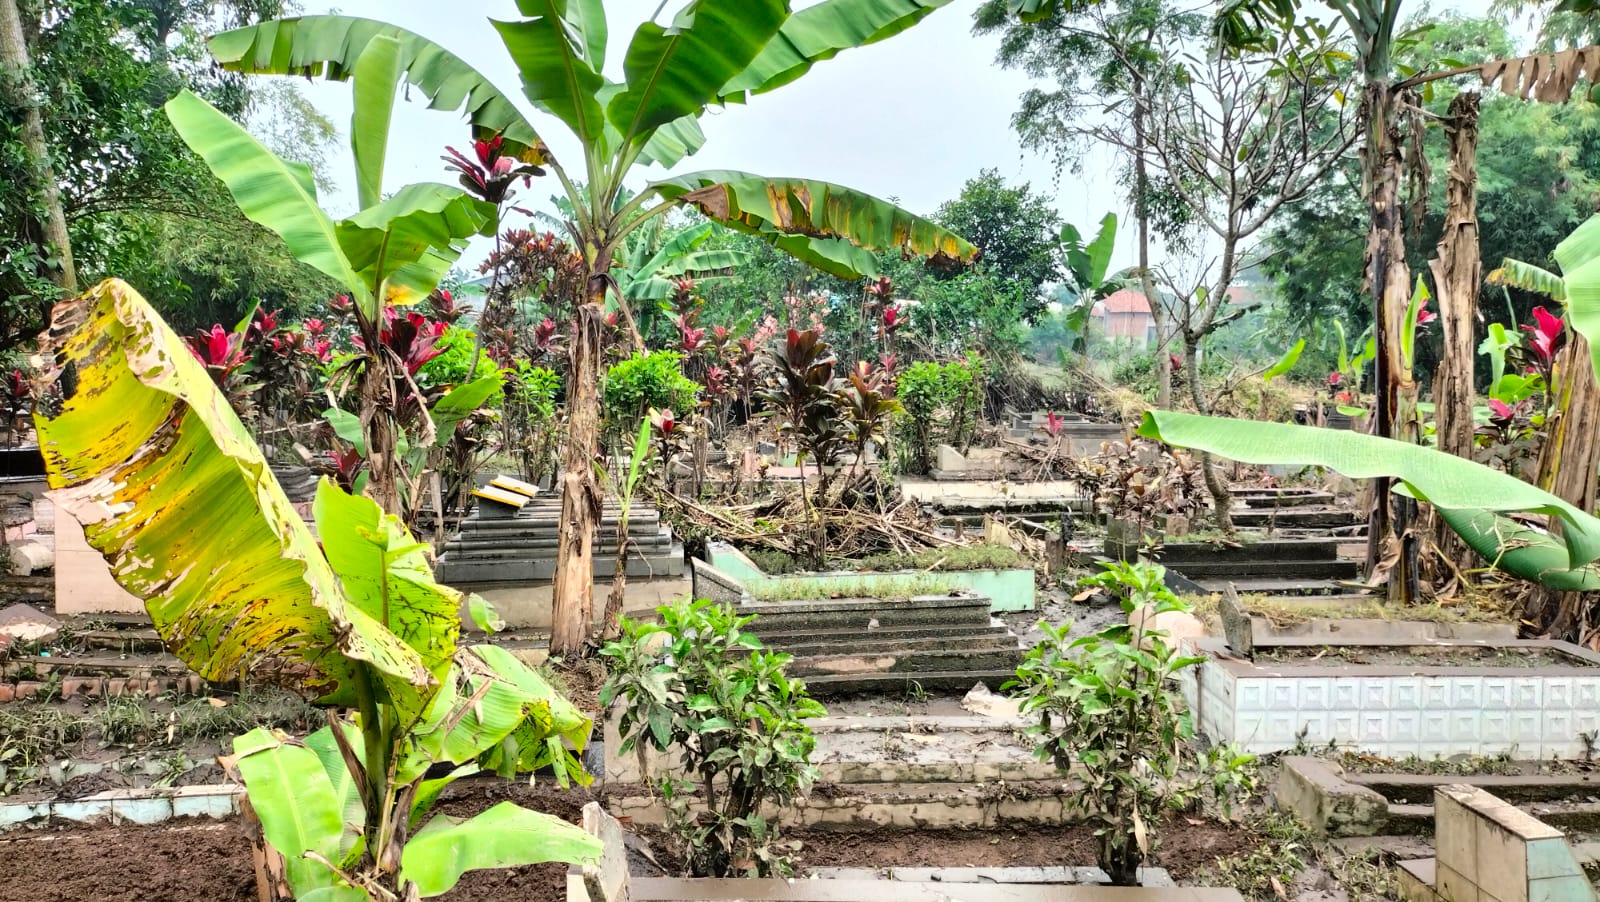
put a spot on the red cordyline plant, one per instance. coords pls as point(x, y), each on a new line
point(1544, 334)
point(491, 175)
point(1054, 425)
point(411, 338)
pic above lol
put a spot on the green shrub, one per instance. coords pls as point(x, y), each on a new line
point(711, 693)
point(454, 361)
point(1103, 708)
point(941, 403)
point(529, 419)
point(646, 380)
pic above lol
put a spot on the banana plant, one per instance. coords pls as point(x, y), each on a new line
point(393, 251)
point(1473, 499)
point(710, 54)
point(146, 453)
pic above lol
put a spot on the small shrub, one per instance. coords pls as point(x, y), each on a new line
point(713, 694)
point(645, 381)
point(1103, 706)
point(772, 561)
point(941, 404)
point(455, 348)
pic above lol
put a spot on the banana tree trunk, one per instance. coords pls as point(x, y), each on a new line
point(18, 92)
point(573, 592)
point(1388, 280)
point(378, 399)
point(1457, 273)
point(1221, 498)
point(1567, 466)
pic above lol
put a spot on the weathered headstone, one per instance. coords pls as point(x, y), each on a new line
point(1236, 625)
point(608, 880)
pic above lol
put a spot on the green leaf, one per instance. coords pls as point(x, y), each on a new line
point(462, 402)
point(341, 781)
point(483, 614)
point(672, 142)
point(1408, 334)
point(1579, 256)
point(1286, 362)
point(269, 190)
point(409, 241)
point(341, 893)
point(1495, 344)
point(675, 71)
point(175, 494)
point(331, 45)
point(428, 791)
point(347, 426)
point(376, 73)
point(296, 804)
point(780, 209)
point(1526, 276)
point(819, 32)
point(1448, 482)
point(490, 695)
point(550, 57)
point(387, 575)
point(504, 836)
point(1099, 251)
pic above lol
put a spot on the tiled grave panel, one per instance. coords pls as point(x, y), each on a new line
point(1531, 715)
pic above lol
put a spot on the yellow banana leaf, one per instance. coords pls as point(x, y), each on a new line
point(172, 490)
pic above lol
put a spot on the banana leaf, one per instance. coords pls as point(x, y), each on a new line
point(330, 46)
point(408, 242)
point(270, 191)
point(676, 70)
point(1450, 483)
point(820, 32)
point(376, 74)
point(504, 836)
point(1579, 256)
point(173, 491)
point(556, 76)
point(785, 208)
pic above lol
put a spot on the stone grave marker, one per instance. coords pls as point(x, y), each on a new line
point(1236, 625)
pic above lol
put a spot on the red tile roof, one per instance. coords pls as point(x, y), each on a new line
point(1126, 300)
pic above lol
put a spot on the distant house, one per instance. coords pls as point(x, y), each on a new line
point(1124, 316)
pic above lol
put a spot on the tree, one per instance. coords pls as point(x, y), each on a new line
point(713, 52)
point(1238, 140)
point(44, 224)
point(1389, 95)
point(1016, 231)
point(1103, 61)
point(100, 72)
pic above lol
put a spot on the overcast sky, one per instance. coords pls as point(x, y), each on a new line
point(910, 118)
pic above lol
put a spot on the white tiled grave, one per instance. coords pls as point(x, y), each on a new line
point(1399, 711)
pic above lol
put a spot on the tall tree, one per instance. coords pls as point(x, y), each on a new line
point(1106, 72)
point(1237, 140)
point(1014, 228)
point(713, 52)
point(43, 223)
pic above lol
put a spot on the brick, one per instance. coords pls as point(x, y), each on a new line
point(27, 689)
point(7, 692)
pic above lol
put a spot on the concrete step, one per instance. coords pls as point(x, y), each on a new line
point(1282, 498)
point(858, 613)
point(1269, 587)
point(910, 663)
point(1246, 569)
point(876, 645)
point(914, 631)
point(1296, 517)
point(830, 684)
point(452, 571)
point(1178, 552)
